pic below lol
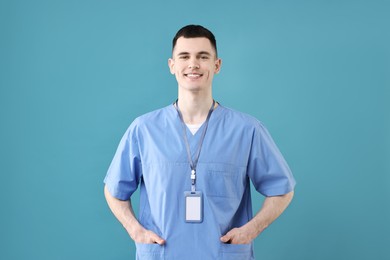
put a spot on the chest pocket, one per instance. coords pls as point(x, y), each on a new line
point(225, 181)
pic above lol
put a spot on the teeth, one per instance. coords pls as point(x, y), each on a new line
point(193, 75)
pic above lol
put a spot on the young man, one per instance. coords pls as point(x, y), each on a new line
point(194, 161)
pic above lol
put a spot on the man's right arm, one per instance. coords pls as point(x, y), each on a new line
point(123, 211)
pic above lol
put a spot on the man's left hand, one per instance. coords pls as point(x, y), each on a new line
point(241, 235)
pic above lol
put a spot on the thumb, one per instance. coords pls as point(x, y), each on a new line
point(226, 238)
point(158, 240)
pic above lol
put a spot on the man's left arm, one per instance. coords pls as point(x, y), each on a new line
point(272, 208)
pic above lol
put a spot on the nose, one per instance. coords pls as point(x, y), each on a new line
point(193, 64)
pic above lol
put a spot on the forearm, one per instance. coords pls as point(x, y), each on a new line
point(123, 211)
point(272, 208)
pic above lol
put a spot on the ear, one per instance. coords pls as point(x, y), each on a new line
point(218, 64)
point(171, 64)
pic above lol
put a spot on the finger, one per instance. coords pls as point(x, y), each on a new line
point(160, 241)
point(157, 239)
point(226, 238)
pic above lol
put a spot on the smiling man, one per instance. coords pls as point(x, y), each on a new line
point(194, 64)
point(193, 162)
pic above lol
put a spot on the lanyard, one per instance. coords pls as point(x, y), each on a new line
point(194, 162)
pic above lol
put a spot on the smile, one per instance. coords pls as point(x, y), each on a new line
point(193, 75)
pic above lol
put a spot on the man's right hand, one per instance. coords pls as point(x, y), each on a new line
point(123, 211)
point(144, 236)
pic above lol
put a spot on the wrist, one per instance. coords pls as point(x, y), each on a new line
point(258, 226)
point(133, 228)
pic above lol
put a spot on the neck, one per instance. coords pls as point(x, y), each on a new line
point(194, 108)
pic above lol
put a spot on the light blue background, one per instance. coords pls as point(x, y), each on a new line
point(74, 74)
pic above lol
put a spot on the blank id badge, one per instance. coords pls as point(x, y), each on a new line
point(193, 207)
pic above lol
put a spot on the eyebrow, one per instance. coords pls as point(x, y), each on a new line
point(199, 53)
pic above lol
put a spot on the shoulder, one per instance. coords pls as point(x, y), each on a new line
point(153, 116)
point(152, 120)
point(240, 119)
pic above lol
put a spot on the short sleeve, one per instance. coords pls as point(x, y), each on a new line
point(124, 173)
point(267, 169)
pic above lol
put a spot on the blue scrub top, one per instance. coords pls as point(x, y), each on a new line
point(237, 149)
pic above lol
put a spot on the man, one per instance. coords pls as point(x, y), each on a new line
point(194, 161)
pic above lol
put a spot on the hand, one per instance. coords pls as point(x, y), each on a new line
point(144, 236)
point(241, 235)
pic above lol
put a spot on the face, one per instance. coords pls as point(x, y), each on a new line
point(194, 63)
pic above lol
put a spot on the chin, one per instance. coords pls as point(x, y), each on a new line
point(190, 86)
point(194, 88)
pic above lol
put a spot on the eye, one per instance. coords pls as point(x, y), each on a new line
point(183, 57)
point(204, 57)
